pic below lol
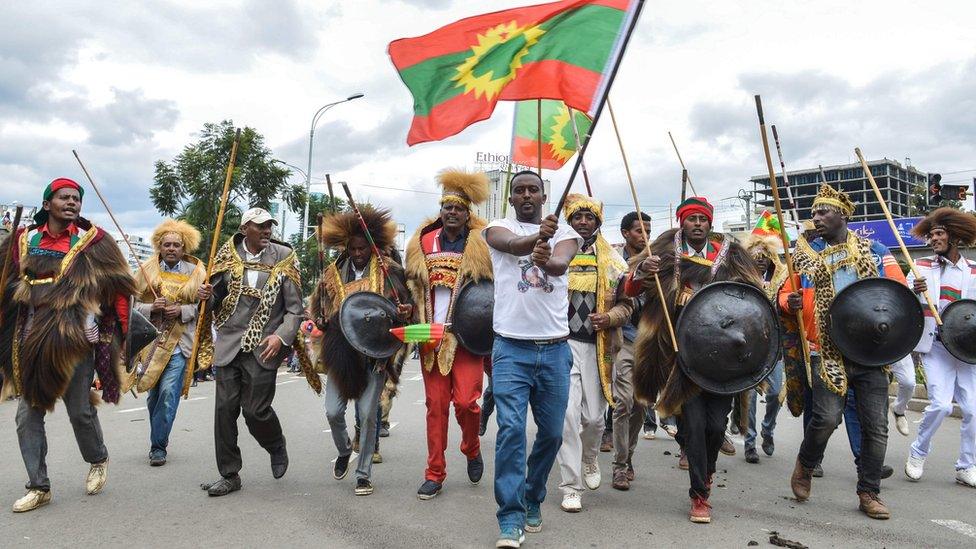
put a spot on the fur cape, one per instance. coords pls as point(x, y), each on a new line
point(475, 266)
point(657, 376)
point(40, 363)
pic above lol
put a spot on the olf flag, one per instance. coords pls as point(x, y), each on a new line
point(558, 136)
point(419, 333)
point(562, 50)
point(768, 225)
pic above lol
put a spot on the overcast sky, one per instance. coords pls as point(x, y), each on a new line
point(129, 83)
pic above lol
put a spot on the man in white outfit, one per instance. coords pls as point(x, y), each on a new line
point(951, 277)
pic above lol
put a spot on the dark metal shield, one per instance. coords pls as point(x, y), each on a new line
point(728, 337)
point(876, 321)
point(958, 330)
point(365, 319)
point(471, 321)
point(141, 333)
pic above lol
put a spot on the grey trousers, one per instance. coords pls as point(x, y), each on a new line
point(628, 414)
point(366, 407)
point(84, 421)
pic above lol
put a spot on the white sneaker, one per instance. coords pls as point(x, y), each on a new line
point(572, 503)
point(966, 477)
point(591, 475)
point(914, 467)
point(901, 423)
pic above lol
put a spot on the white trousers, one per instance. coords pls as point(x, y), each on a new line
point(584, 422)
point(904, 371)
point(946, 378)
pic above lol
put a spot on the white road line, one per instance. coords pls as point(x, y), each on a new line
point(128, 410)
point(285, 382)
point(421, 401)
point(958, 526)
point(393, 424)
point(417, 377)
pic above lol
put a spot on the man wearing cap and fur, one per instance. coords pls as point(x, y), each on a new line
point(165, 368)
point(442, 257)
point(65, 313)
point(946, 377)
point(596, 313)
point(825, 266)
point(256, 309)
point(351, 375)
point(686, 259)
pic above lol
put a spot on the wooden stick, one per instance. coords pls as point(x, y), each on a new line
point(508, 181)
point(125, 236)
point(684, 184)
point(586, 176)
point(640, 218)
point(538, 107)
point(894, 229)
point(9, 260)
point(782, 235)
point(682, 162)
point(786, 178)
point(214, 241)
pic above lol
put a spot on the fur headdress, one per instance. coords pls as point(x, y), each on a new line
point(960, 225)
point(337, 229)
point(768, 245)
point(829, 196)
point(577, 202)
point(463, 187)
point(188, 233)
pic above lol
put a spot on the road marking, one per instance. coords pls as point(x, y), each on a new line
point(417, 377)
point(128, 410)
point(958, 526)
point(421, 401)
point(393, 424)
point(286, 382)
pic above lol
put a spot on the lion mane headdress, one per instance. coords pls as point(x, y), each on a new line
point(337, 229)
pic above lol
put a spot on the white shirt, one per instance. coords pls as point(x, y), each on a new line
point(250, 275)
point(950, 281)
point(529, 304)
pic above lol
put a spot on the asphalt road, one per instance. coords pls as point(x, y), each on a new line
point(164, 507)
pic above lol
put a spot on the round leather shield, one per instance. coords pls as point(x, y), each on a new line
point(141, 333)
point(875, 321)
point(365, 319)
point(471, 321)
point(958, 331)
point(728, 337)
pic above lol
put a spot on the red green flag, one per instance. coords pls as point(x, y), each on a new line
point(419, 333)
point(558, 136)
point(768, 225)
point(562, 50)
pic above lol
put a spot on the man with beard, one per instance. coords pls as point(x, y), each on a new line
point(445, 255)
point(946, 377)
point(65, 313)
point(165, 368)
point(349, 374)
point(596, 312)
point(531, 358)
point(833, 261)
point(686, 259)
point(256, 309)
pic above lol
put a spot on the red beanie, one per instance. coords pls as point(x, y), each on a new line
point(693, 205)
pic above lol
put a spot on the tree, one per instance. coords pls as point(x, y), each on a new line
point(308, 250)
point(189, 187)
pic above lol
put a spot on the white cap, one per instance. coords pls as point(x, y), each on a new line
point(257, 216)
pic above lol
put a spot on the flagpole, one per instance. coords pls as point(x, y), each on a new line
point(599, 108)
point(682, 162)
point(508, 181)
point(684, 184)
point(586, 177)
point(782, 235)
point(640, 219)
point(538, 118)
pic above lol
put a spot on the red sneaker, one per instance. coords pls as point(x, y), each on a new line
point(700, 510)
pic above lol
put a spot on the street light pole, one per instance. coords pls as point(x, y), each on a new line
point(311, 140)
point(283, 216)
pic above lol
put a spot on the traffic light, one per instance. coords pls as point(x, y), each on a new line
point(954, 192)
point(934, 189)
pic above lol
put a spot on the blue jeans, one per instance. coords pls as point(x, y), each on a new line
point(527, 373)
point(163, 401)
point(775, 380)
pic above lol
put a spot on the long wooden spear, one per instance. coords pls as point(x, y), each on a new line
point(586, 176)
point(214, 241)
point(9, 258)
point(894, 229)
point(786, 178)
point(782, 234)
point(682, 162)
point(372, 243)
point(125, 236)
point(640, 218)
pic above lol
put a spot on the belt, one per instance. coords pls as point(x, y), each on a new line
point(538, 341)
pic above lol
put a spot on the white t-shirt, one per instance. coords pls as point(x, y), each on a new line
point(529, 304)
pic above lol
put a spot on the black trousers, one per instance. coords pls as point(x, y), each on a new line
point(701, 431)
point(244, 385)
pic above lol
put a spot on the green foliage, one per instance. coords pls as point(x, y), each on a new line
point(308, 250)
point(189, 187)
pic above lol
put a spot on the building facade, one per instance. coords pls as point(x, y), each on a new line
point(897, 184)
point(142, 247)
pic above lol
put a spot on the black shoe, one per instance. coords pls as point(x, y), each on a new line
point(341, 467)
point(363, 487)
point(279, 462)
point(476, 468)
point(768, 446)
point(751, 455)
point(429, 489)
point(157, 458)
point(886, 471)
point(223, 486)
point(385, 429)
point(484, 426)
point(818, 471)
point(194, 384)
